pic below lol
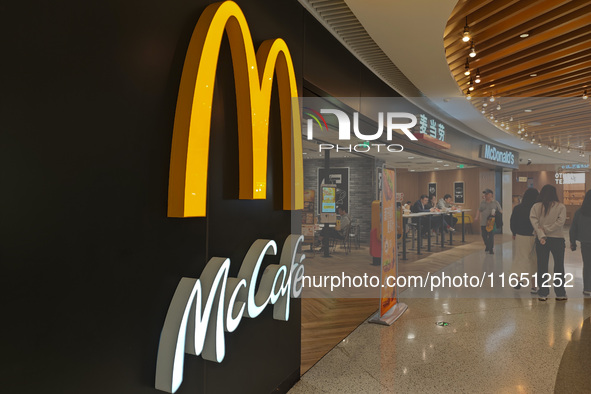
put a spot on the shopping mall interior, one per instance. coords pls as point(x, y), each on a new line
point(193, 190)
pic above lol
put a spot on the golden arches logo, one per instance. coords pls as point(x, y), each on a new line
point(253, 75)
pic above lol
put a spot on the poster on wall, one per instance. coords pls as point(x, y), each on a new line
point(338, 177)
point(389, 254)
point(432, 189)
point(458, 192)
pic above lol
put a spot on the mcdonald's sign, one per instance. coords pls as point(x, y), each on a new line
point(253, 75)
point(203, 309)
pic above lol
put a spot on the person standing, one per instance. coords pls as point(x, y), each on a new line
point(547, 217)
point(525, 260)
point(580, 230)
point(488, 208)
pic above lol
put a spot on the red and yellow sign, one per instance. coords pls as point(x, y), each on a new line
point(389, 254)
point(253, 75)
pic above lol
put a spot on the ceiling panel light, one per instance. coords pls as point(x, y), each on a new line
point(524, 35)
point(472, 49)
point(466, 34)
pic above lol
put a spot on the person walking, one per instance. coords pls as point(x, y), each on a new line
point(580, 230)
point(525, 260)
point(488, 208)
point(547, 217)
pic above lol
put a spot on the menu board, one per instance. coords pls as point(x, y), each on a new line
point(459, 193)
point(328, 198)
point(337, 177)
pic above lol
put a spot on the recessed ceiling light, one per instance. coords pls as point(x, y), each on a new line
point(533, 75)
point(524, 35)
point(527, 110)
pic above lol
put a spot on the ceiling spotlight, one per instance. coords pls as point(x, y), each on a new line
point(502, 124)
point(518, 131)
point(533, 75)
point(533, 140)
point(568, 150)
point(555, 149)
point(472, 50)
point(467, 67)
point(507, 127)
point(585, 95)
point(511, 119)
point(470, 85)
point(499, 107)
point(492, 116)
point(524, 35)
point(484, 104)
point(483, 111)
point(496, 121)
point(540, 145)
point(477, 79)
point(468, 94)
point(522, 138)
point(492, 98)
point(549, 147)
point(466, 33)
point(526, 134)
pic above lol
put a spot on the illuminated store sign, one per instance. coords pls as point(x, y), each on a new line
point(431, 127)
point(203, 309)
point(253, 75)
point(498, 155)
point(575, 166)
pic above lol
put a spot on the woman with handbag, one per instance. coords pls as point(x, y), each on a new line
point(547, 218)
point(524, 260)
point(580, 230)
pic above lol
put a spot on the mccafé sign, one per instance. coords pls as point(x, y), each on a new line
point(203, 309)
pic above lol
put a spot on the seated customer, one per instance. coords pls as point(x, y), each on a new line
point(445, 205)
point(330, 232)
point(421, 206)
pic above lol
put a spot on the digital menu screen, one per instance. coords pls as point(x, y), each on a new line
point(328, 199)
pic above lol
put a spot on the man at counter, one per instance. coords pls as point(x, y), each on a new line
point(445, 205)
point(422, 206)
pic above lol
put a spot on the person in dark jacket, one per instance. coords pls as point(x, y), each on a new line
point(525, 259)
point(422, 205)
point(580, 230)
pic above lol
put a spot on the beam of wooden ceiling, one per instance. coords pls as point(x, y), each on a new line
point(554, 61)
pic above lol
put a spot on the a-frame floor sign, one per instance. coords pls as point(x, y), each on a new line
point(390, 309)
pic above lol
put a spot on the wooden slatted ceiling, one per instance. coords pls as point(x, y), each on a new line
point(554, 61)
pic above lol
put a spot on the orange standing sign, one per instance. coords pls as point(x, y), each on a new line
point(389, 253)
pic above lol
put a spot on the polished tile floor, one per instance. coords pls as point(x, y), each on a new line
point(498, 340)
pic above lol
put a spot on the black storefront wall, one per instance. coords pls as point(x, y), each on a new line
point(90, 260)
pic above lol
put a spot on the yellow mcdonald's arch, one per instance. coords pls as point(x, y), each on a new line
point(187, 190)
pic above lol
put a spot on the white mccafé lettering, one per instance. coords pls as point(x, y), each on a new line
point(202, 309)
